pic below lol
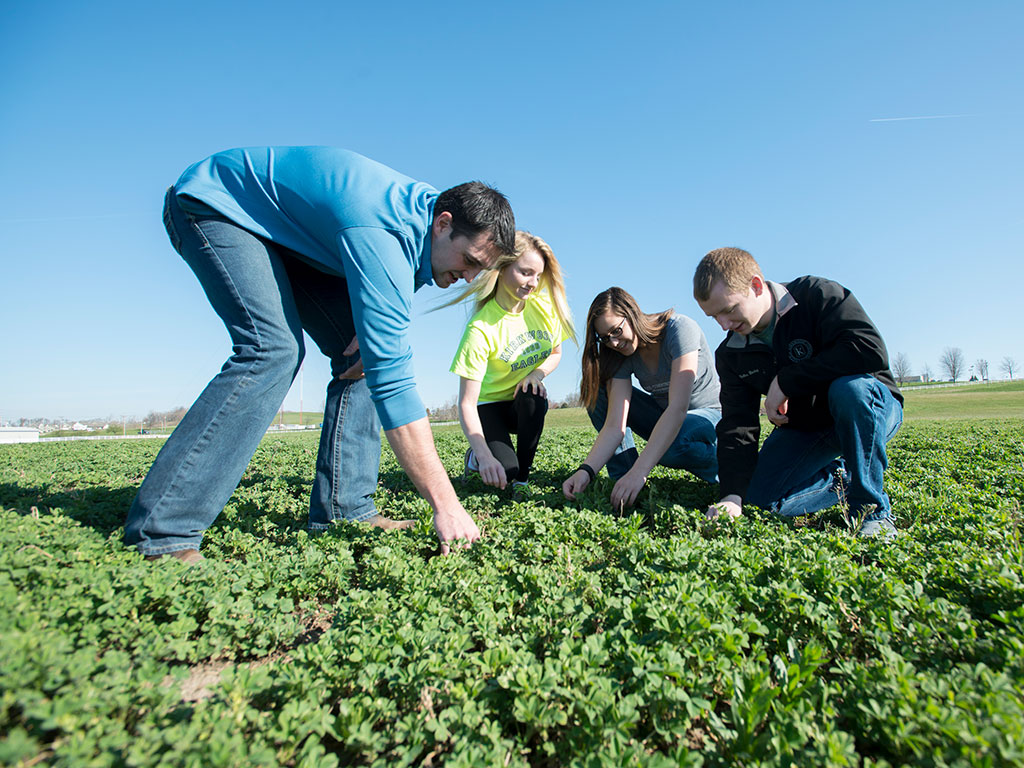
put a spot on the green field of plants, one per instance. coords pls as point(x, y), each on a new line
point(569, 636)
point(994, 400)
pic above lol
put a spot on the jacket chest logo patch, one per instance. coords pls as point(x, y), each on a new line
point(800, 349)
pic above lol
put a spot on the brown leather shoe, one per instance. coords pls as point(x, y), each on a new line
point(187, 556)
point(379, 521)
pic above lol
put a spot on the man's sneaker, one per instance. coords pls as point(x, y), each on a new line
point(469, 464)
point(187, 556)
point(883, 529)
point(520, 488)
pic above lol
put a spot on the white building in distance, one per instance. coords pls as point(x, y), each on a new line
point(19, 435)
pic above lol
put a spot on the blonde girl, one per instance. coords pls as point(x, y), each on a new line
point(511, 344)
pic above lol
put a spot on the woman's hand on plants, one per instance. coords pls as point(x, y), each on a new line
point(576, 483)
point(491, 471)
point(627, 489)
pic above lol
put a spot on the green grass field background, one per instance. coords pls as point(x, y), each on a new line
point(994, 400)
point(568, 636)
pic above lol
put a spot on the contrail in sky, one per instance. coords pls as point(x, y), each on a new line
point(923, 117)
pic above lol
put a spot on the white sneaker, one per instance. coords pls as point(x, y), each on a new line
point(869, 529)
point(882, 529)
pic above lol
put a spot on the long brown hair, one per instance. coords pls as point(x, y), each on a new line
point(601, 361)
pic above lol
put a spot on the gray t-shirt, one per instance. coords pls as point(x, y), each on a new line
point(682, 336)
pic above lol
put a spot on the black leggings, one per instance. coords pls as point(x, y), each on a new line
point(523, 416)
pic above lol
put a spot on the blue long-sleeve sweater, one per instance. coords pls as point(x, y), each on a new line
point(350, 216)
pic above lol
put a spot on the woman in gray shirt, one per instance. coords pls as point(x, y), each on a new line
point(675, 411)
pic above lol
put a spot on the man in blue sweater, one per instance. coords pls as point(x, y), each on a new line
point(286, 239)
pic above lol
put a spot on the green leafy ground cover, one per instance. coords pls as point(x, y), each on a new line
point(568, 636)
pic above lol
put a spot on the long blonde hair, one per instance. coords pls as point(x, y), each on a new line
point(600, 361)
point(485, 287)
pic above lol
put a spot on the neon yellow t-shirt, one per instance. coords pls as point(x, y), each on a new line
point(499, 348)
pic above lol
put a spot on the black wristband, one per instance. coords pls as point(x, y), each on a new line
point(589, 470)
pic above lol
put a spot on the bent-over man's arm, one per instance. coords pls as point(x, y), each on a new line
point(380, 281)
point(413, 445)
point(738, 433)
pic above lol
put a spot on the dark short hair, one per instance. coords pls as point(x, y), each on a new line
point(475, 208)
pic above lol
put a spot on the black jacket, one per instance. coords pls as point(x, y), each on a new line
point(825, 335)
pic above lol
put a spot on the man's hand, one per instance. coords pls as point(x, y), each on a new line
point(354, 371)
point(575, 483)
point(533, 383)
point(455, 528)
point(413, 444)
point(626, 489)
point(730, 507)
point(776, 404)
point(491, 471)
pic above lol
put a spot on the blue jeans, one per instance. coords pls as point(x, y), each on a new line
point(694, 449)
point(348, 460)
point(802, 472)
point(265, 295)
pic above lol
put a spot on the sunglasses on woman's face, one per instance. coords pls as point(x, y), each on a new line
point(614, 333)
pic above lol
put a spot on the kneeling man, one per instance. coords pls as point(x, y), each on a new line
point(810, 347)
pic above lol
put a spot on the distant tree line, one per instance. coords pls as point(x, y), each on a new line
point(450, 410)
point(952, 363)
point(164, 418)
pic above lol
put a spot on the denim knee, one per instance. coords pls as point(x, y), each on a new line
point(277, 356)
point(852, 395)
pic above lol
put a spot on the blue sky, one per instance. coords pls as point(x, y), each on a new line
point(632, 137)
